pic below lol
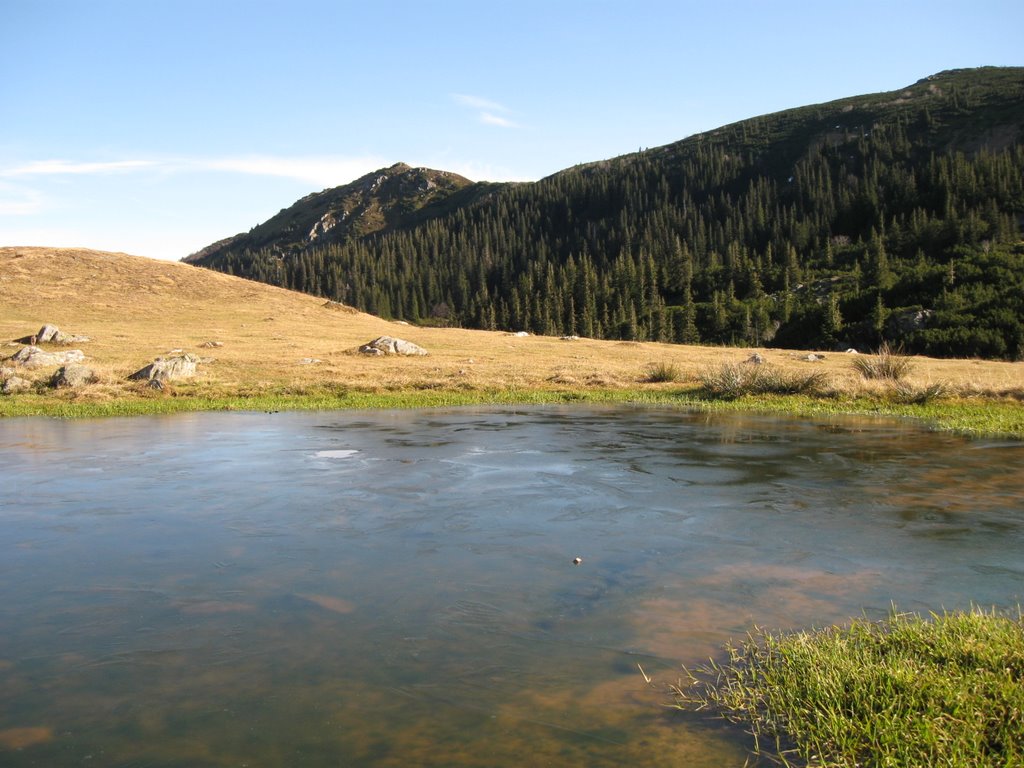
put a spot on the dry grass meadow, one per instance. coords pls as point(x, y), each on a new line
point(135, 309)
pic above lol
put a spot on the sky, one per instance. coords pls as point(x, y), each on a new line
point(156, 127)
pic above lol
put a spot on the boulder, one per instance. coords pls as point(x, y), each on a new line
point(388, 345)
point(13, 384)
point(51, 334)
point(812, 358)
point(180, 366)
point(34, 357)
point(755, 359)
point(905, 321)
point(73, 376)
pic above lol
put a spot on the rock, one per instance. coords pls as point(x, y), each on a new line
point(162, 369)
point(387, 345)
point(211, 344)
point(310, 361)
point(852, 351)
point(577, 560)
point(812, 358)
point(520, 334)
point(12, 384)
point(755, 359)
point(908, 320)
point(570, 338)
point(337, 306)
point(34, 357)
point(73, 375)
point(51, 334)
point(156, 384)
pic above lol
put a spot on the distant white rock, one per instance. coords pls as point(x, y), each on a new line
point(181, 366)
point(388, 345)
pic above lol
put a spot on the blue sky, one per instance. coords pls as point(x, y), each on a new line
point(155, 127)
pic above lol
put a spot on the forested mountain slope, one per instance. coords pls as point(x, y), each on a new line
point(892, 216)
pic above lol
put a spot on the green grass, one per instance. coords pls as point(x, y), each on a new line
point(977, 418)
point(947, 690)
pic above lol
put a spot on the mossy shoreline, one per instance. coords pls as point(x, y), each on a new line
point(907, 691)
point(973, 417)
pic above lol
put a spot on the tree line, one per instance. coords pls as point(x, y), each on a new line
point(846, 234)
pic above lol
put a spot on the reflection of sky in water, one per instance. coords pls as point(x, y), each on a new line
point(398, 588)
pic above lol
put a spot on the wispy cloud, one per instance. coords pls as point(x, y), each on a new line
point(73, 168)
point(488, 118)
point(326, 170)
point(475, 102)
point(488, 112)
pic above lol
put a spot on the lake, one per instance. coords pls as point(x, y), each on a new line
point(398, 588)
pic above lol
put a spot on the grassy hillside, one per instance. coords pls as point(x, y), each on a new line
point(135, 309)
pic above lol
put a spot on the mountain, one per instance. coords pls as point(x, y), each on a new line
point(385, 200)
point(892, 216)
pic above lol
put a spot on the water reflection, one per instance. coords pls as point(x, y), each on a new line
point(398, 588)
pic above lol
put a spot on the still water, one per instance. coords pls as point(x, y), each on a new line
point(398, 588)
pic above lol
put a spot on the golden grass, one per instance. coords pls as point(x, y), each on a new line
point(136, 309)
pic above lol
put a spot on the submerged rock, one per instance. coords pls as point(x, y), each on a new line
point(34, 357)
point(388, 345)
point(180, 366)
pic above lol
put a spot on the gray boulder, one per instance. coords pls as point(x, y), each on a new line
point(755, 359)
point(387, 345)
point(11, 383)
point(181, 366)
point(15, 384)
point(51, 334)
point(73, 376)
point(34, 357)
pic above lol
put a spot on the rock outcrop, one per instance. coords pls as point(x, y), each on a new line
point(11, 383)
point(181, 366)
point(34, 357)
point(73, 376)
point(388, 345)
point(51, 334)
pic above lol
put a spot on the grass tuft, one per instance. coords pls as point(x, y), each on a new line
point(662, 373)
point(887, 363)
point(908, 394)
point(732, 380)
point(908, 691)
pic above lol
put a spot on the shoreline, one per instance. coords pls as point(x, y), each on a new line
point(976, 418)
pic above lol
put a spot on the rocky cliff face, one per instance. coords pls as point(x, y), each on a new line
point(387, 198)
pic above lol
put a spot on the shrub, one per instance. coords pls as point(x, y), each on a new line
point(887, 363)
